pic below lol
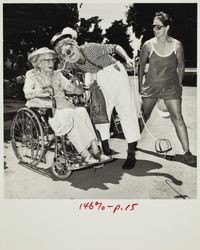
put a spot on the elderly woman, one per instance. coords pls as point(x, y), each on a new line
point(112, 79)
point(75, 122)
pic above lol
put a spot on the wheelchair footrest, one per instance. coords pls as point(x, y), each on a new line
point(76, 162)
point(101, 165)
point(83, 165)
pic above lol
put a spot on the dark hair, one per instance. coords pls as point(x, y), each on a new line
point(164, 18)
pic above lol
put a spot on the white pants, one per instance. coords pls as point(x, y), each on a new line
point(76, 124)
point(115, 86)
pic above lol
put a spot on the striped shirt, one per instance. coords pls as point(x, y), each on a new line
point(97, 56)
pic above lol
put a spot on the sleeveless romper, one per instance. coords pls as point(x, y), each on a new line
point(162, 80)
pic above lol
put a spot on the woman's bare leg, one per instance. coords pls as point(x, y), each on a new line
point(148, 105)
point(174, 108)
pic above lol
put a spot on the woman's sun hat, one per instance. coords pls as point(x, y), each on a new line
point(41, 51)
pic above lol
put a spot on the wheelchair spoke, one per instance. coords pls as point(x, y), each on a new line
point(27, 137)
point(59, 168)
point(31, 139)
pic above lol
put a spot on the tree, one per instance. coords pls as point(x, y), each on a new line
point(140, 17)
point(60, 16)
point(116, 34)
point(89, 30)
point(37, 22)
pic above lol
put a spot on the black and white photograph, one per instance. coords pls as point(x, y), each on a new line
point(100, 110)
point(112, 110)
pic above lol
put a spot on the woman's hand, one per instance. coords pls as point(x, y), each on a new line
point(49, 89)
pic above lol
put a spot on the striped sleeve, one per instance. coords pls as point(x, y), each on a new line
point(98, 50)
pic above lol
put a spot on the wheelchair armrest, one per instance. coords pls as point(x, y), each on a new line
point(53, 108)
point(72, 94)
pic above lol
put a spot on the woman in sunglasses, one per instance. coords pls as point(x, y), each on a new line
point(163, 79)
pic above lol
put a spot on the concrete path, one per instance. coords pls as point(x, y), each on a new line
point(153, 177)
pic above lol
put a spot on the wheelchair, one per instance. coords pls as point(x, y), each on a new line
point(32, 137)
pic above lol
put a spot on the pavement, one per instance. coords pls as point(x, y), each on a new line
point(153, 177)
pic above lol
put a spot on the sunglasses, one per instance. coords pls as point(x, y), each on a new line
point(65, 50)
point(158, 27)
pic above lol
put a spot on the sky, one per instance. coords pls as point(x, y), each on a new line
point(108, 13)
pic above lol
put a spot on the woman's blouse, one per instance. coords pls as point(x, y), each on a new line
point(35, 82)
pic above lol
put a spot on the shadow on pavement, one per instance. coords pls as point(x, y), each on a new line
point(86, 179)
point(176, 157)
point(144, 168)
point(111, 173)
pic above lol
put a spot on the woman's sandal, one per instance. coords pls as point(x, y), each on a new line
point(90, 160)
point(102, 157)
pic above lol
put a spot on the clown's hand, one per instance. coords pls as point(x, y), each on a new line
point(130, 62)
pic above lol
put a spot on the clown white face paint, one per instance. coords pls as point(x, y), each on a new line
point(68, 52)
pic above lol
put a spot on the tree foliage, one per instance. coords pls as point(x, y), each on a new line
point(56, 15)
point(35, 24)
point(117, 34)
point(89, 30)
point(37, 21)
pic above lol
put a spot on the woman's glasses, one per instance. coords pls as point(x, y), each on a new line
point(49, 60)
point(158, 27)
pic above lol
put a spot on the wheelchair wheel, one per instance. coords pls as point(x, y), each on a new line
point(59, 169)
point(27, 137)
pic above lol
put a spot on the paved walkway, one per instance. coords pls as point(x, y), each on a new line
point(152, 178)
